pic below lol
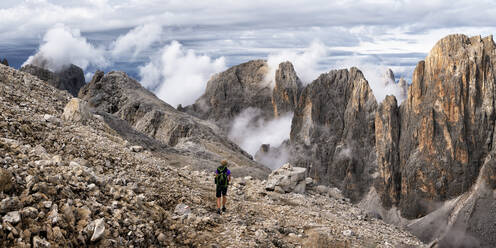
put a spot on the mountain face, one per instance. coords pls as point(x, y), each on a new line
point(332, 132)
point(70, 178)
point(71, 78)
point(435, 152)
point(124, 98)
point(446, 125)
point(245, 86)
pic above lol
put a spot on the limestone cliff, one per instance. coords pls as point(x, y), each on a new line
point(332, 132)
point(447, 125)
point(387, 133)
point(435, 153)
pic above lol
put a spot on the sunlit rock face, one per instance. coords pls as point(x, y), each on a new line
point(446, 126)
point(332, 132)
point(387, 131)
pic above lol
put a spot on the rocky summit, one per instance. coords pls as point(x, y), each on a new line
point(247, 86)
point(70, 78)
point(73, 175)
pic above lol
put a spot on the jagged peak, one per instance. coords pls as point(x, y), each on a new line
point(286, 74)
point(451, 45)
point(389, 77)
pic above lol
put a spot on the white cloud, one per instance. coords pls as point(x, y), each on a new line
point(179, 76)
point(63, 46)
point(137, 40)
point(306, 62)
point(244, 30)
point(374, 73)
point(250, 131)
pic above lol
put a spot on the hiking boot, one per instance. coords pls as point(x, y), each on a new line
point(223, 209)
point(218, 211)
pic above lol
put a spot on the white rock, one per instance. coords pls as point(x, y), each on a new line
point(74, 164)
point(335, 193)
point(322, 189)
point(91, 187)
point(136, 148)
point(99, 230)
point(40, 242)
point(54, 214)
point(182, 209)
point(47, 204)
point(76, 110)
point(51, 119)
point(348, 233)
point(287, 177)
point(99, 117)
point(308, 180)
point(12, 217)
point(57, 160)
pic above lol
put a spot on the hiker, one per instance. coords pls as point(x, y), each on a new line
point(222, 179)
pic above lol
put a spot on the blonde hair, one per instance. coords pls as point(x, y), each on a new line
point(223, 162)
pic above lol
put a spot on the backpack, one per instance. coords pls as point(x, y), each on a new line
point(221, 178)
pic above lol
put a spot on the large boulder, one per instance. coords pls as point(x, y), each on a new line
point(287, 179)
point(76, 110)
point(70, 78)
point(332, 132)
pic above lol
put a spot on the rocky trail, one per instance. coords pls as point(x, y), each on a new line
point(69, 180)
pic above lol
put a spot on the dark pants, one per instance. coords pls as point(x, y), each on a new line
point(221, 190)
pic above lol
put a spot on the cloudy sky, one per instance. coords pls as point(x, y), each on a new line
point(178, 44)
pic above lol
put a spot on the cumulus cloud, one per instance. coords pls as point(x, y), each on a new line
point(179, 76)
point(305, 62)
point(63, 46)
point(137, 40)
point(249, 130)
